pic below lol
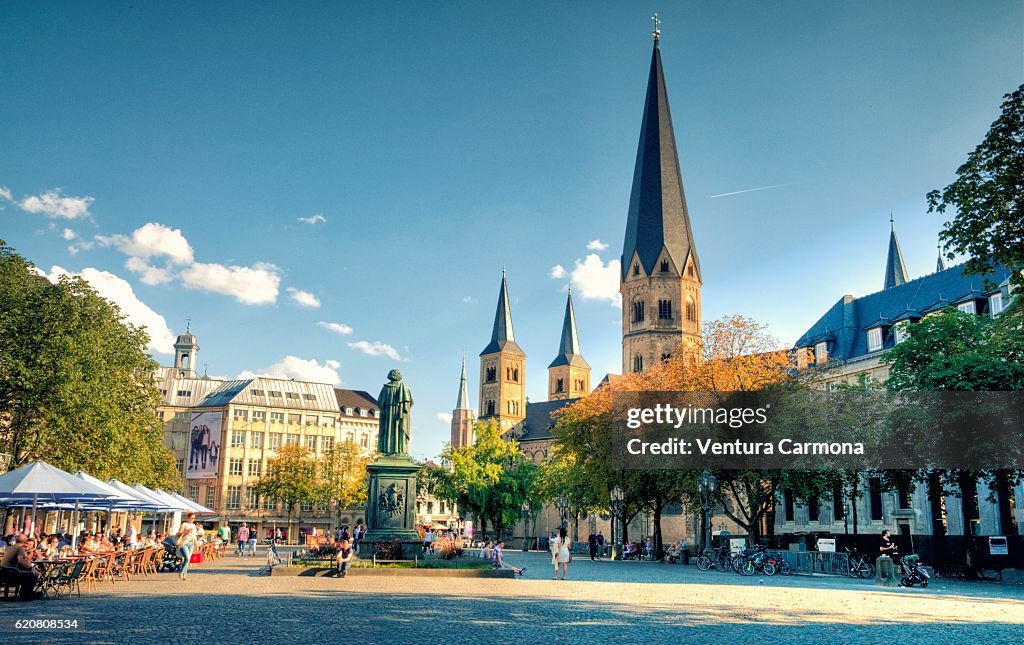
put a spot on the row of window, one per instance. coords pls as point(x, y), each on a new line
point(511, 374)
point(277, 394)
point(233, 500)
point(511, 407)
point(840, 502)
point(578, 385)
point(664, 268)
point(664, 310)
point(442, 508)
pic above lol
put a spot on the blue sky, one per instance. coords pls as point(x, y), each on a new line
point(168, 152)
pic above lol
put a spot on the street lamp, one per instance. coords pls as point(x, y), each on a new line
point(563, 508)
point(616, 509)
point(526, 525)
point(707, 485)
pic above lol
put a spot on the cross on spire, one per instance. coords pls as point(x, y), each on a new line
point(657, 27)
point(188, 323)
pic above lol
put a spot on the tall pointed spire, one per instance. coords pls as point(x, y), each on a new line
point(462, 403)
point(569, 347)
point(940, 264)
point(895, 270)
point(658, 217)
point(503, 338)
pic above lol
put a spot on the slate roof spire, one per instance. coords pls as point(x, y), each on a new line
point(569, 347)
point(462, 403)
point(503, 338)
point(895, 270)
point(940, 264)
point(658, 217)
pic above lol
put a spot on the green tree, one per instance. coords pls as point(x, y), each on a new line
point(490, 479)
point(76, 386)
point(291, 477)
point(988, 197)
point(342, 475)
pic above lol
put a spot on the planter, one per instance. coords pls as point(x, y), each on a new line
point(325, 572)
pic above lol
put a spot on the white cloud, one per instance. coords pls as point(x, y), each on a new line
point(148, 273)
point(468, 299)
point(300, 369)
point(596, 245)
point(152, 240)
point(444, 417)
point(68, 234)
point(592, 279)
point(80, 245)
point(53, 204)
point(255, 285)
point(303, 298)
point(558, 272)
point(313, 219)
point(376, 348)
point(338, 328)
point(5, 193)
point(120, 292)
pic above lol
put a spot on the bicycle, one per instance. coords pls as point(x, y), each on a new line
point(860, 565)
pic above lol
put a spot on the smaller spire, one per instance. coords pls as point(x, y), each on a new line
point(895, 269)
point(657, 28)
point(503, 338)
point(569, 347)
point(463, 401)
point(940, 264)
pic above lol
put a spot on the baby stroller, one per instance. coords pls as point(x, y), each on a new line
point(172, 560)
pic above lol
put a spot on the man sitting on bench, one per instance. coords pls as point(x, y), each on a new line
point(16, 569)
point(343, 558)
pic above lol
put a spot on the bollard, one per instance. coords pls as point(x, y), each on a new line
point(886, 573)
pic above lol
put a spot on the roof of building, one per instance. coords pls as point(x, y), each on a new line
point(273, 392)
point(503, 337)
point(569, 345)
point(355, 399)
point(658, 217)
point(186, 339)
point(540, 419)
point(845, 325)
point(462, 402)
point(895, 270)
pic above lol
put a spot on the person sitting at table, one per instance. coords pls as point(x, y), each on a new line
point(87, 544)
point(16, 568)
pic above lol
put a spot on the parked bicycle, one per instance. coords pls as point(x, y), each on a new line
point(860, 565)
point(719, 559)
point(751, 561)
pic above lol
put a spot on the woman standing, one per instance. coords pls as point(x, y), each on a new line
point(186, 542)
point(560, 552)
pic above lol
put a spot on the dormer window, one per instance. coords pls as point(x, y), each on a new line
point(874, 339)
point(820, 353)
point(900, 332)
point(664, 266)
point(995, 304)
point(968, 307)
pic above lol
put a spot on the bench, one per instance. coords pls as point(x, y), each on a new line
point(415, 561)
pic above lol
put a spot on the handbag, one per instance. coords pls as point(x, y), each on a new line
point(197, 558)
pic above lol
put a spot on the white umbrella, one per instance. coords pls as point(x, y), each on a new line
point(40, 482)
point(197, 507)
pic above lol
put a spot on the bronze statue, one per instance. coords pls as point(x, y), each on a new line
point(395, 403)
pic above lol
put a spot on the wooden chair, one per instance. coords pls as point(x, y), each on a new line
point(105, 569)
point(89, 572)
point(122, 565)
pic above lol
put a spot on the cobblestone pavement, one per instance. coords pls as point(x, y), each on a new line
point(224, 601)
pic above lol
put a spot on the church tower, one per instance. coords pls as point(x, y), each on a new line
point(661, 279)
point(568, 374)
point(462, 416)
point(186, 349)
point(503, 370)
point(895, 270)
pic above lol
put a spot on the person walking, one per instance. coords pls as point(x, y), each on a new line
point(186, 542)
point(252, 541)
point(600, 544)
point(592, 543)
point(243, 537)
point(562, 557)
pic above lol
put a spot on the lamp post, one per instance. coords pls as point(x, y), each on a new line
point(526, 525)
point(707, 485)
point(616, 508)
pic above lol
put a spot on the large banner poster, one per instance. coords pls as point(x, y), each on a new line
point(204, 445)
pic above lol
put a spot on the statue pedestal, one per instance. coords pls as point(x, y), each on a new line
point(391, 505)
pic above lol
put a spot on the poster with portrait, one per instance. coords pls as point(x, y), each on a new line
point(204, 445)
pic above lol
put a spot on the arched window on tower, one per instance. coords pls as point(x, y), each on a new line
point(664, 266)
point(665, 310)
point(515, 374)
point(690, 272)
point(492, 374)
point(559, 385)
point(490, 408)
point(691, 309)
point(638, 363)
point(636, 268)
point(638, 311)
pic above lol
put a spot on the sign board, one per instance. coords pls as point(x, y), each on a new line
point(204, 445)
point(827, 545)
point(997, 545)
point(737, 544)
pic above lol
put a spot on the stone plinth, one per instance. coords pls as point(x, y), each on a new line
point(887, 574)
point(391, 505)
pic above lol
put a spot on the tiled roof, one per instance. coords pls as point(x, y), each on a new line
point(351, 399)
point(540, 419)
point(847, 322)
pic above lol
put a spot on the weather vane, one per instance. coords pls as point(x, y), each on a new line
point(657, 26)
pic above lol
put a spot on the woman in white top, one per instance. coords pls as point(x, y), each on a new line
point(186, 542)
point(560, 553)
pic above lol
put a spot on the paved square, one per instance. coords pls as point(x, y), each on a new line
point(225, 602)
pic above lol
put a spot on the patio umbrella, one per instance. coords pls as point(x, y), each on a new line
point(39, 482)
point(171, 505)
point(120, 501)
point(151, 503)
point(196, 506)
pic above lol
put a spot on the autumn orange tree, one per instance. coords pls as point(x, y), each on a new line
point(737, 355)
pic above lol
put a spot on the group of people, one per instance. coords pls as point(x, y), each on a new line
point(595, 541)
point(431, 536)
point(245, 538)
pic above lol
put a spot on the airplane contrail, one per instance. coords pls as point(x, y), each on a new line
point(751, 190)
